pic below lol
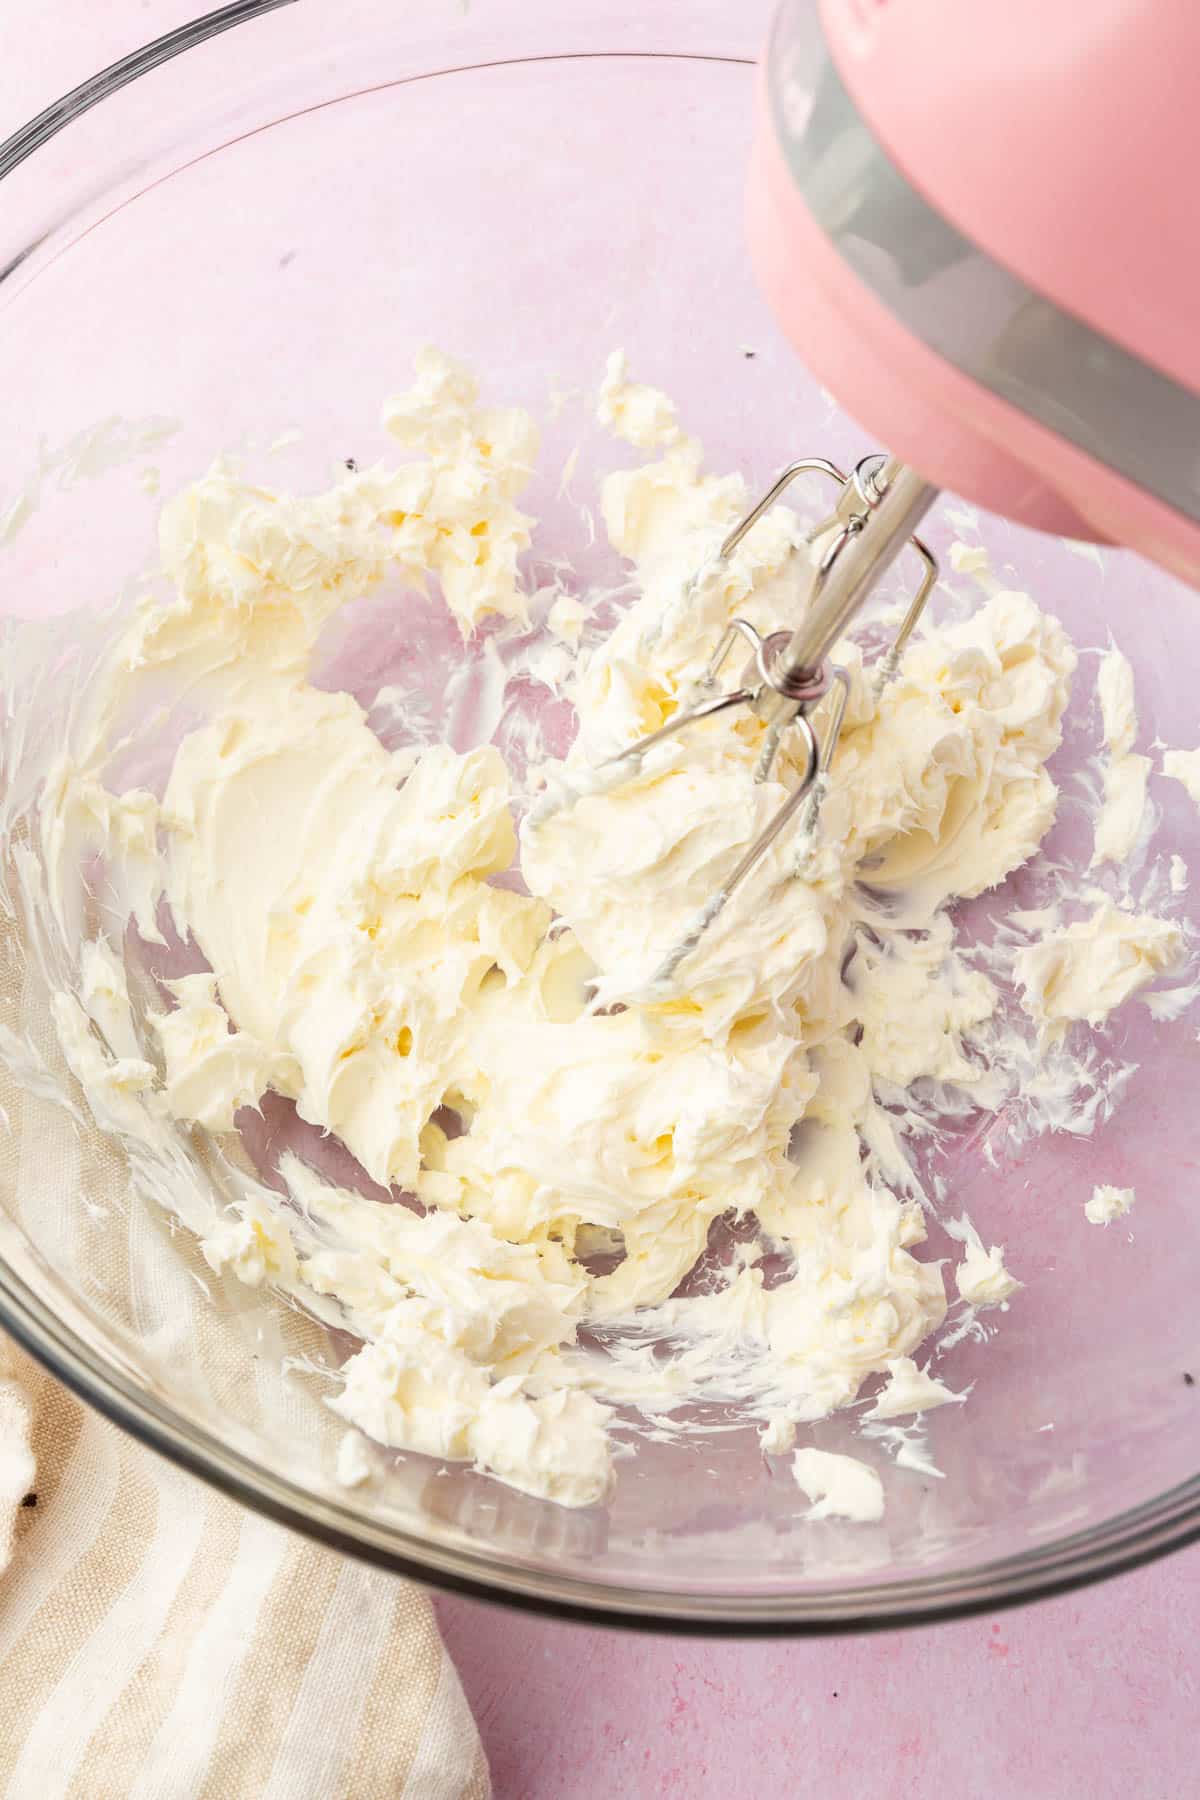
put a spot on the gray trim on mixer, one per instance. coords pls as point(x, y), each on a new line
point(956, 300)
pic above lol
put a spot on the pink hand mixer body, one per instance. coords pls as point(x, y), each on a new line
point(977, 224)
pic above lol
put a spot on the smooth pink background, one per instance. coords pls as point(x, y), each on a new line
point(1087, 1696)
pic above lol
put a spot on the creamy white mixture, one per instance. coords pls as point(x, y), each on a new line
point(495, 1053)
point(1126, 773)
point(1108, 1203)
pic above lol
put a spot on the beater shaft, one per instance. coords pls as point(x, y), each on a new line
point(865, 544)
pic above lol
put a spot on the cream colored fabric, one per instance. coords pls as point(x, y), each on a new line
point(157, 1641)
point(160, 1642)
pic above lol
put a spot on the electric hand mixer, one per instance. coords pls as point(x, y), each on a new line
point(978, 226)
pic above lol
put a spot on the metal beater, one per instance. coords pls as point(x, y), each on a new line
point(787, 676)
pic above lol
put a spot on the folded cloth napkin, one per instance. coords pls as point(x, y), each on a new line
point(160, 1642)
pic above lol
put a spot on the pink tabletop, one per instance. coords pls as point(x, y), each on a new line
point(1091, 1695)
point(1088, 1696)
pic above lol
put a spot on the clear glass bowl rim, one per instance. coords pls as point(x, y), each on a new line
point(1128, 1540)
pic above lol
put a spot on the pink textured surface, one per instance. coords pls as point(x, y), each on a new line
point(1091, 1695)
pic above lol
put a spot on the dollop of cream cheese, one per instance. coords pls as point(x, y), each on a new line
point(640, 415)
point(1107, 1204)
point(1125, 773)
point(911, 1390)
point(840, 1487)
point(981, 1277)
point(1118, 711)
point(1082, 971)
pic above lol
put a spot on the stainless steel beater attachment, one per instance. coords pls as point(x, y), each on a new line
point(787, 677)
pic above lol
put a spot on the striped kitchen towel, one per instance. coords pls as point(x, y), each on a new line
point(159, 1642)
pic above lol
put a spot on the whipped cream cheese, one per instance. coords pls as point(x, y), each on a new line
point(840, 1487)
point(1118, 710)
point(640, 415)
point(1081, 971)
point(1184, 766)
point(1125, 773)
point(556, 1139)
point(1107, 1204)
point(981, 1277)
point(911, 1390)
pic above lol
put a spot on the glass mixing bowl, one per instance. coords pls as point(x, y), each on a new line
point(248, 230)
